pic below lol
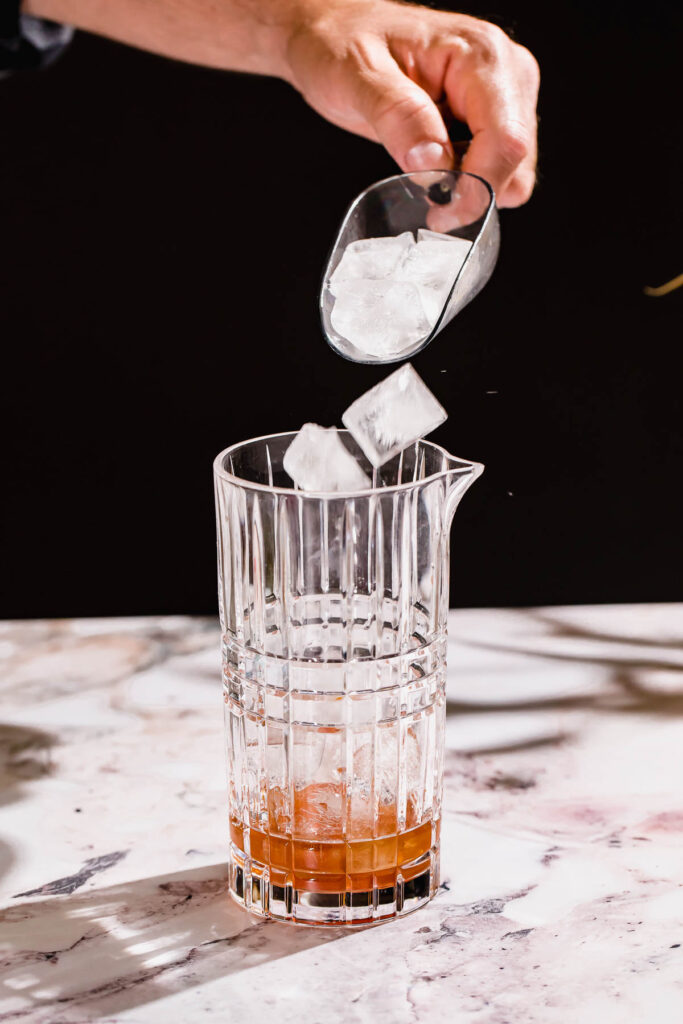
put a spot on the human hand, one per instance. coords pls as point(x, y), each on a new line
point(381, 69)
point(375, 67)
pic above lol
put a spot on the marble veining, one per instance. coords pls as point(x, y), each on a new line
point(562, 851)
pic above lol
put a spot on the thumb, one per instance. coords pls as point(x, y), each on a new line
point(403, 117)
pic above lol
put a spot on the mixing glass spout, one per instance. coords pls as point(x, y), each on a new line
point(460, 475)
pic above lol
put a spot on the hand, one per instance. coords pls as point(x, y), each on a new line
point(379, 68)
point(375, 67)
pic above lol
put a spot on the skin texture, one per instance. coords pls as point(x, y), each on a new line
point(381, 69)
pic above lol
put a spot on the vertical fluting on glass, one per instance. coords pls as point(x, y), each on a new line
point(258, 577)
point(333, 612)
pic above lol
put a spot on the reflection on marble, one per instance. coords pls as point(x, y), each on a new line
point(562, 863)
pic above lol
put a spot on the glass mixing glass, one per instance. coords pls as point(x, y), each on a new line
point(333, 611)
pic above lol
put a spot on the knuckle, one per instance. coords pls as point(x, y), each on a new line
point(519, 189)
point(358, 55)
point(497, 36)
point(515, 143)
point(488, 43)
point(529, 65)
point(457, 45)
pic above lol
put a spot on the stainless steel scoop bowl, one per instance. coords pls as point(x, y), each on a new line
point(451, 202)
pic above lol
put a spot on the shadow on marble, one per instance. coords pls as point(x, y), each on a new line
point(637, 675)
point(104, 951)
point(633, 698)
point(625, 688)
point(25, 755)
point(513, 747)
point(561, 627)
point(7, 858)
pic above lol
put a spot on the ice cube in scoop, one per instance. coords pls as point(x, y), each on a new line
point(370, 259)
point(432, 265)
point(317, 460)
point(425, 235)
point(392, 415)
point(381, 318)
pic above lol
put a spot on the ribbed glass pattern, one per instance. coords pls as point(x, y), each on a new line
point(334, 611)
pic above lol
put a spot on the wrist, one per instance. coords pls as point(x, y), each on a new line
point(320, 31)
point(285, 21)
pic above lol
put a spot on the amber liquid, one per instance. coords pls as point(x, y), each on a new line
point(326, 858)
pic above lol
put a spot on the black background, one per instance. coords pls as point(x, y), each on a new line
point(164, 229)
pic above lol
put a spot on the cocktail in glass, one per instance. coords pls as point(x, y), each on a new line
point(333, 610)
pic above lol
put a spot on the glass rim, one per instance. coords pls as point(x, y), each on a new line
point(455, 172)
point(220, 472)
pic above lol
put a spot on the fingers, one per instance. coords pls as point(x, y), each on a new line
point(401, 115)
point(494, 91)
point(504, 154)
point(377, 71)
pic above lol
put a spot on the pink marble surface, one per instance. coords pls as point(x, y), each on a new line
point(562, 850)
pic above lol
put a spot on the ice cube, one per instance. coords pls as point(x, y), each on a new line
point(317, 460)
point(381, 318)
point(425, 235)
point(392, 415)
point(370, 259)
point(432, 266)
point(403, 240)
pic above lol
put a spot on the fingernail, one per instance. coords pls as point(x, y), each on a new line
point(429, 156)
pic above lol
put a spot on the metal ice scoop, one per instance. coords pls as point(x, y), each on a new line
point(401, 308)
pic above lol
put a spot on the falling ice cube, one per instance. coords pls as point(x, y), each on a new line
point(381, 318)
point(317, 460)
point(392, 415)
point(370, 259)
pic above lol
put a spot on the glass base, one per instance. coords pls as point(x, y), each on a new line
point(321, 905)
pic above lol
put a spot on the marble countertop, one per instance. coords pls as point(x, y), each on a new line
point(562, 855)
